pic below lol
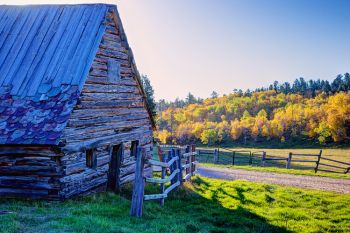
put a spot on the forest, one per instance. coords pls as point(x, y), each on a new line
point(317, 111)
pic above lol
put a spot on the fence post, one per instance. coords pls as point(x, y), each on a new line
point(162, 186)
point(318, 161)
point(193, 167)
point(233, 157)
point(250, 158)
point(218, 156)
point(263, 159)
point(187, 159)
point(215, 156)
point(179, 166)
point(171, 168)
point(139, 184)
point(289, 160)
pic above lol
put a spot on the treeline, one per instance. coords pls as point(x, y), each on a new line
point(308, 110)
point(300, 86)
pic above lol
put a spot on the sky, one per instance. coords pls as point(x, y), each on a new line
point(200, 46)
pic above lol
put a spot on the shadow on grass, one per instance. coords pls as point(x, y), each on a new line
point(199, 214)
point(186, 210)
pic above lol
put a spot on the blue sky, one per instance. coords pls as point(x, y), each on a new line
point(200, 46)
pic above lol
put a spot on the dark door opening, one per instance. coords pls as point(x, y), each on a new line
point(113, 183)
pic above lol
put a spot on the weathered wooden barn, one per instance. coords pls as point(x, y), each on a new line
point(72, 107)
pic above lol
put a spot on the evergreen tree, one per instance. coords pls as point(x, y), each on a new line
point(147, 87)
point(190, 99)
point(214, 95)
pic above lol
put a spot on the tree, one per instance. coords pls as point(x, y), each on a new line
point(337, 83)
point(291, 113)
point(275, 86)
point(214, 95)
point(209, 136)
point(147, 87)
point(190, 99)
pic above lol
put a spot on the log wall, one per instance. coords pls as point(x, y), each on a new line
point(30, 172)
point(111, 110)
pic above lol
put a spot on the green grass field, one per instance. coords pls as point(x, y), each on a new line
point(206, 206)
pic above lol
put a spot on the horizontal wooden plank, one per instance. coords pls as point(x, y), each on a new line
point(275, 159)
point(154, 196)
point(205, 152)
point(165, 180)
point(189, 154)
point(315, 155)
point(304, 161)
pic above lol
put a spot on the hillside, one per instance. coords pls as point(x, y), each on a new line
point(259, 117)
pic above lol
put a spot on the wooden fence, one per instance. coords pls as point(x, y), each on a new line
point(171, 163)
point(338, 166)
point(229, 156)
point(265, 158)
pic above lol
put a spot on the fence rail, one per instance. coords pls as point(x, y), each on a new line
point(234, 157)
point(338, 165)
point(171, 163)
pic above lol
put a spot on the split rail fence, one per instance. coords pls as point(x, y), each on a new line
point(316, 161)
point(170, 162)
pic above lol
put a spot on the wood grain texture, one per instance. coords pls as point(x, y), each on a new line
point(102, 107)
point(111, 111)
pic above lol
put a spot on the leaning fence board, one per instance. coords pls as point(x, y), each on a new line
point(171, 187)
point(334, 166)
point(163, 164)
point(333, 160)
point(324, 170)
point(165, 180)
point(187, 176)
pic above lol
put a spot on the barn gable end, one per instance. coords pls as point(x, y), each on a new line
point(110, 112)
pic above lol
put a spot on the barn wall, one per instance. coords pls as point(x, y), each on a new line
point(110, 111)
point(30, 172)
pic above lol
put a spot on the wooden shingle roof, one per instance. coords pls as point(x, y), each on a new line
point(45, 55)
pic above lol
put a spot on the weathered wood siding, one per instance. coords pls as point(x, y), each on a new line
point(30, 172)
point(110, 111)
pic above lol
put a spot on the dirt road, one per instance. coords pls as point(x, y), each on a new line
point(311, 182)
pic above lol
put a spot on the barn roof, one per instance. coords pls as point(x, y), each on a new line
point(46, 52)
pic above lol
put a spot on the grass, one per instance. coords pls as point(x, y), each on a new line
point(299, 168)
point(206, 206)
point(281, 170)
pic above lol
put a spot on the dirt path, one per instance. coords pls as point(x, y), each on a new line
point(311, 182)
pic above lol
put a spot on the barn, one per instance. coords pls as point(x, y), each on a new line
point(72, 106)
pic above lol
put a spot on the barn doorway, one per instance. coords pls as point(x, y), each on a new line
point(113, 183)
